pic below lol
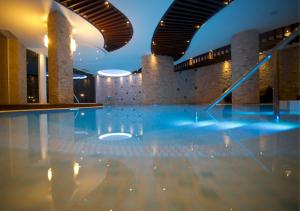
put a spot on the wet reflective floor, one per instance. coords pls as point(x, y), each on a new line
point(150, 158)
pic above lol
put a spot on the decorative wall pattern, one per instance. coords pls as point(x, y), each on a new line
point(120, 90)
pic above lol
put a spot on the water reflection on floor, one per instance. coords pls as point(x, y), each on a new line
point(150, 158)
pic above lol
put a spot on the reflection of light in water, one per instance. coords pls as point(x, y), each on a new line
point(109, 129)
point(226, 141)
point(49, 174)
point(131, 129)
point(81, 133)
point(204, 123)
point(274, 126)
point(229, 125)
point(183, 123)
point(76, 168)
point(115, 136)
point(154, 150)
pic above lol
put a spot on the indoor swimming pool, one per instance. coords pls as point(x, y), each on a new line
point(150, 158)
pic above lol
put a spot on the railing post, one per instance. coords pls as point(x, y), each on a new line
point(275, 73)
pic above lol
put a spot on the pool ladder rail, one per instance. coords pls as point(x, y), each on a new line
point(273, 53)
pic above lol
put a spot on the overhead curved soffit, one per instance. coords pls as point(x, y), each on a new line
point(114, 25)
point(180, 23)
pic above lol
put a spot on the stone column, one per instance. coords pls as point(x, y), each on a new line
point(60, 59)
point(244, 55)
point(158, 79)
point(13, 80)
point(42, 79)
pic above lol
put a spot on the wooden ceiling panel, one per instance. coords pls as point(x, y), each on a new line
point(180, 23)
point(114, 26)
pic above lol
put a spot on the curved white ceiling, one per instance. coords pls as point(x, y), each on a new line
point(27, 20)
point(263, 15)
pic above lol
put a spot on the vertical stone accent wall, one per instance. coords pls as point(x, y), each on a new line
point(13, 70)
point(120, 90)
point(60, 59)
point(244, 55)
point(289, 73)
point(158, 79)
point(202, 85)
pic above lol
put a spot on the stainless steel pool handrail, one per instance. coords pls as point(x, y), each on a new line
point(75, 98)
point(248, 74)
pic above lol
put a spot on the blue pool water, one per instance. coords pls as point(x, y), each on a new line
point(150, 158)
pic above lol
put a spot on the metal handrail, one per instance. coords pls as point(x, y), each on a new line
point(248, 74)
point(75, 98)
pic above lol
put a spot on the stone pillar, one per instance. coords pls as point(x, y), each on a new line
point(244, 55)
point(42, 79)
point(60, 59)
point(158, 79)
point(13, 80)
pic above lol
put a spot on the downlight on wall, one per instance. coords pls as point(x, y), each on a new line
point(73, 44)
point(114, 73)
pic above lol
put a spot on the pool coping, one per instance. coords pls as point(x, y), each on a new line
point(46, 107)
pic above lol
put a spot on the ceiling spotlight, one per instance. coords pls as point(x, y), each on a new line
point(102, 30)
point(182, 52)
point(127, 22)
point(187, 41)
point(197, 26)
point(153, 43)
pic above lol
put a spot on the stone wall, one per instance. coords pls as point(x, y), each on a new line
point(119, 90)
point(289, 74)
point(201, 85)
point(158, 79)
point(60, 59)
point(244, 55)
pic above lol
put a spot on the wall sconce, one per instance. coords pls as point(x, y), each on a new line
point(46, 41)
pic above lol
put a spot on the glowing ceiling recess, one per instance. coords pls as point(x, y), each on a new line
point(114, 73)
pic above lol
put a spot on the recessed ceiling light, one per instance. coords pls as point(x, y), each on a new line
point(114, 73)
